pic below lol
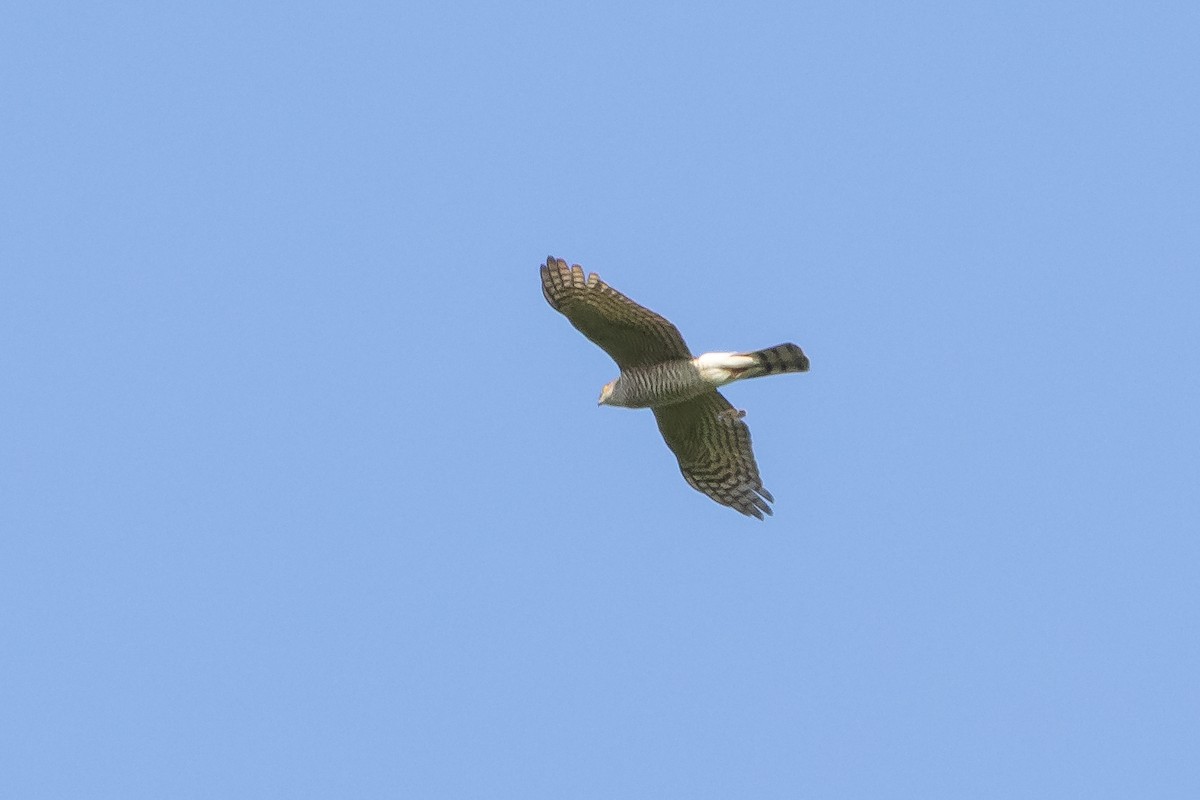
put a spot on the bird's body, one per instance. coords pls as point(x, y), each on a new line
point(656, 385)
point(674, 381)
point(706, 433)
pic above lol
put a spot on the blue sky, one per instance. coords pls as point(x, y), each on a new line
point(306, 494)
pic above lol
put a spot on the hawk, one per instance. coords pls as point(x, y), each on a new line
point(659, 372)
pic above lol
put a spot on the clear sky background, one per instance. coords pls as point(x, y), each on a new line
point(304, 489)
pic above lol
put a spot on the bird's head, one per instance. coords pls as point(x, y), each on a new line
point(606, 392)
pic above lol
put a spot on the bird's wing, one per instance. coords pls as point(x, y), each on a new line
point(634, 336)
point(712, 444)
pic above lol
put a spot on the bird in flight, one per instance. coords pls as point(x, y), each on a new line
point(658, 371)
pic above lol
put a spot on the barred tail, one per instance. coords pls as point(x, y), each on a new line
point(777, 360)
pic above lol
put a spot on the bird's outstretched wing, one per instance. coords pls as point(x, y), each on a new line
point(712, 444)
point(634, 336)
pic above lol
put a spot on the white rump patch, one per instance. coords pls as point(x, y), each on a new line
point(722, 368)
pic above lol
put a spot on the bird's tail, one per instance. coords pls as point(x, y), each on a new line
point(776, 360)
